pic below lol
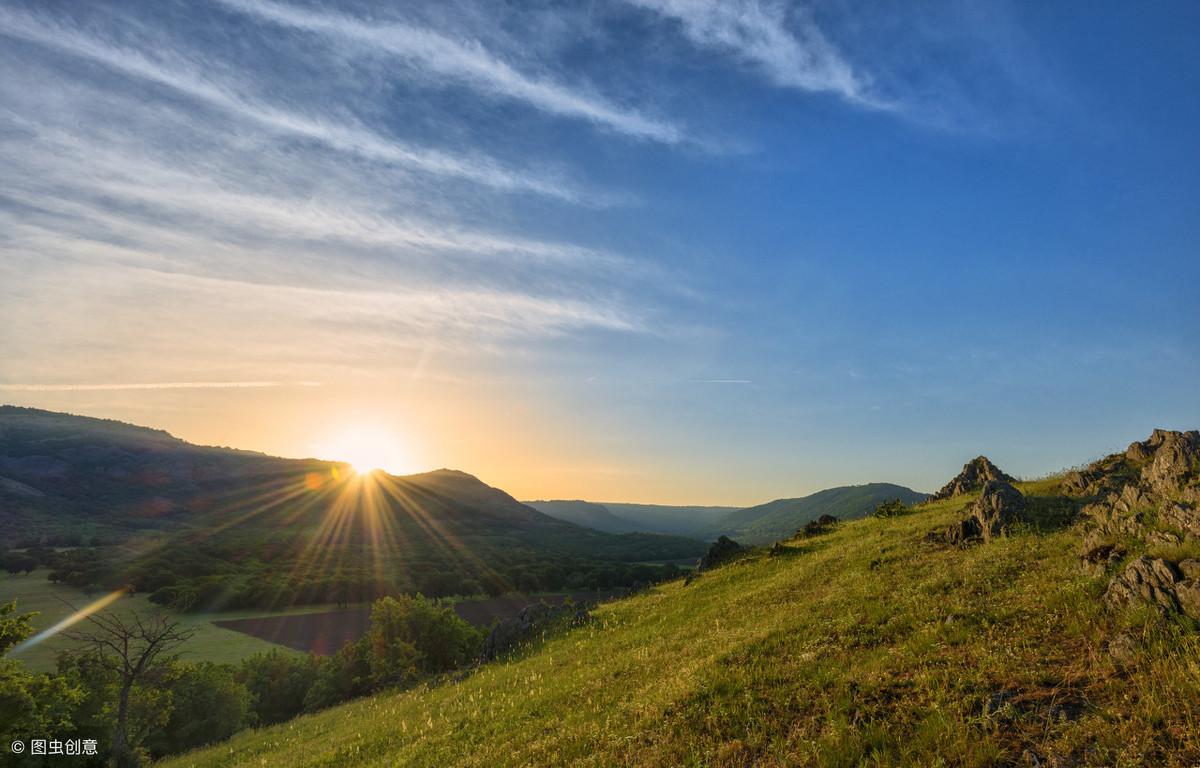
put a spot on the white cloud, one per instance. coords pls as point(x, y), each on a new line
point(792, 51)
point(69, 176)
point(467, 62)
point(184, 77)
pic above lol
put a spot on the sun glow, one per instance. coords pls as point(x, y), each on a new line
point(367, 449)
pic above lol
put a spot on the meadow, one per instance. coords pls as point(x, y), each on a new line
point(868, 645)
point(53, 602)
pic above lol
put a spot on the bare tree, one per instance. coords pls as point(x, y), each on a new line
point(136, 649)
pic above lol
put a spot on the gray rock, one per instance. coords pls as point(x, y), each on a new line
point(1188, 594)
point(975, 474)
point(1183, 517)
point(1176, 461)
point(1189, 568)
point(1163, 539)
point(1146, 579)
point(1099, 552)
point(1167, 465)
point(991, 515)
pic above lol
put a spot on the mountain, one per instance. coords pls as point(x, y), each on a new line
point(586, 513)
point(618, 517)
point(781, 518)
point(669, 519)
point(199, 526)
point(871, 644)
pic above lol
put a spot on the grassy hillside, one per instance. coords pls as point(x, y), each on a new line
point(781, 518)
point(864, 646)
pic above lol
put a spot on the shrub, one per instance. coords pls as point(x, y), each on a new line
point(893, 508)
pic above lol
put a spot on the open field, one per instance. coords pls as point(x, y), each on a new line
point(54, 602)
point(864, 646)
point(324, 632)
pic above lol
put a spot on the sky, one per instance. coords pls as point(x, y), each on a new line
point(673, 251)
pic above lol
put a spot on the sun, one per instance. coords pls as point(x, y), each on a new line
point(368, 449)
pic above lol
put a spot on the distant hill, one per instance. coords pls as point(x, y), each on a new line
point(586, 513)
point(781, 518)
point(670, 519)
point(200, 526)
point(620, 517)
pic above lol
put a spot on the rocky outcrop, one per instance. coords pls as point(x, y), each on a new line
point(1158, 582)
point(976, 474)
point(1147, 579)
point(1166, 465)
point(506, 635)
point(1172, 464)
point(722, 550)
point(1120, 513)
point(991, 515)
point(1149, 491)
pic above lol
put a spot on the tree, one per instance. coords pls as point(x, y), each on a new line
point(30, 704)
point(207, 705)
point(17, 562)
point(137, 652)
point(343, 676)
point(411, 635)
point(278, 682)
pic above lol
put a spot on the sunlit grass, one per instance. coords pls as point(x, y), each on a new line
point(866, 646)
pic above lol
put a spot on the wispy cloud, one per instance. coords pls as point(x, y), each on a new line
point(49, 171)
point(114, 387)
point(468, 62)
point(789, 49)
point(176, 73)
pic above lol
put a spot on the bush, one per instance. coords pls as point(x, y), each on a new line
point(208, 705)
point(278, 683)
point(893, 508)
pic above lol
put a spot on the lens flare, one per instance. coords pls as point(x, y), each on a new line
point(70, 621)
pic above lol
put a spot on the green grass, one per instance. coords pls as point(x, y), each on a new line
point(53, 602)
point(862, 647)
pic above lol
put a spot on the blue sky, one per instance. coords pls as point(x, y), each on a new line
point(653, 250)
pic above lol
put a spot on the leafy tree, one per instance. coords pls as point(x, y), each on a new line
point(410, 635)
point(278, 683)
point(136, 653)
point(208, 705)
point(345, 675)
point(19, 562)
point(30, 705)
